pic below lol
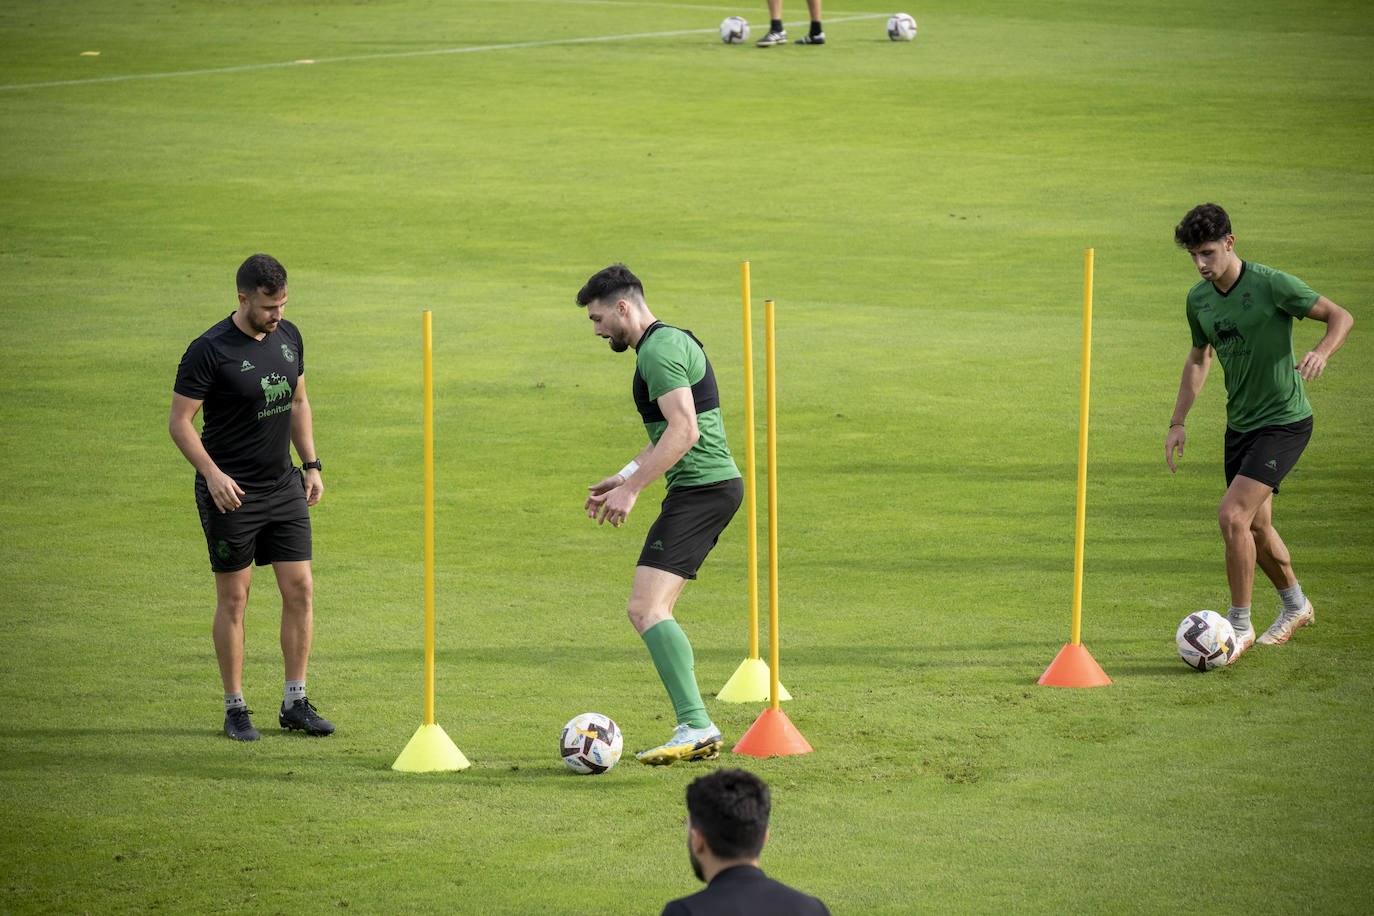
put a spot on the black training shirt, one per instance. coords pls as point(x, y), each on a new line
point(246, 386)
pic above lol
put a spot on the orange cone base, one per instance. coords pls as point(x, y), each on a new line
point(430, 750)
point(772, 735)
point(750, 684)
point(1074, 667)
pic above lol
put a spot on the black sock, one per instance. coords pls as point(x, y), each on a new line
point(816, 27)
point(775, 25)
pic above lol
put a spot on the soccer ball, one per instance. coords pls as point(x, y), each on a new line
point(1206, 640)
point(590, 743)
point(901, 27)
point(734, 30)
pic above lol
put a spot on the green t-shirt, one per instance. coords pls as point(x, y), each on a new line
point(669, 358)
point(1251, 328)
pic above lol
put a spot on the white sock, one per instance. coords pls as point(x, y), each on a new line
point(1239, 617)
point(1293, 598)
point(233, 701)
point(295, 690)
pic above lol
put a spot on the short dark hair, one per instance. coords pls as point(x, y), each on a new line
point(609, 283)
point(1202, 224)
point(730, 809)
point(261, 271)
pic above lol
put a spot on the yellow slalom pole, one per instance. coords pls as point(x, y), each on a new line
point(751, 680)
point(770, 380)
point(430, 749)
point(772, 734)
point(428, 344)
point(1074, 666)
point(750, 496)
point(1080, 524)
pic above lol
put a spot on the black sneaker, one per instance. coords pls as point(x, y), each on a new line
point(772, 38)
point(302, 716)
point(817, 39)
point(238, 726)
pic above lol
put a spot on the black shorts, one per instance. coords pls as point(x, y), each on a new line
point(689, 523)
point(1266, 454)
point(271, 526)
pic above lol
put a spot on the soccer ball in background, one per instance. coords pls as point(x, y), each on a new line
point(1206, 640)
point(590, 743)
point(734, 30)
point(901, 27)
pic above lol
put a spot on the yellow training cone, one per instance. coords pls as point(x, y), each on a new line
point(749, 684)
point(430, 751)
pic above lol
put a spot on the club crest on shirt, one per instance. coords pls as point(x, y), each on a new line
point(275, 387)
point(288, 354)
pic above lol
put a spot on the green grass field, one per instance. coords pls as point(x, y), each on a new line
point(919, 212)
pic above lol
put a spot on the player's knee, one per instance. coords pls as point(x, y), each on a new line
point(299, 590)
point(231, 603)
point(231, 599)
point(643, 616)
point(1234, 522)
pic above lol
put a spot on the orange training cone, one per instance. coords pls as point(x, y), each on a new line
point(772, 735)
point(1074, 666)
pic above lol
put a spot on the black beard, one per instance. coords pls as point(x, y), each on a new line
point(619, 346)
point(696, 867)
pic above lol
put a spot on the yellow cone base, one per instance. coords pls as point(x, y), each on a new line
point(430, 751)
point(1074, 666)
point(749, 684)
point(772, 735)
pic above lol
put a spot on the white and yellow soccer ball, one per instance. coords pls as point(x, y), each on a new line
point(734, 30)
point(590, 743)
point(901, 27)
point(1206, 640)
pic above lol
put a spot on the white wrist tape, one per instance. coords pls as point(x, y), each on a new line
point(629, 469)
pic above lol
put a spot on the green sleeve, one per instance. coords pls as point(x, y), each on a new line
point(669, 365)
point(1291, 295)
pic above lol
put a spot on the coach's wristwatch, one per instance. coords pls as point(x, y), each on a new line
point(317, 464)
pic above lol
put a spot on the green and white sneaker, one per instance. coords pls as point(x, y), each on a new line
point(1286, 623)
point(687, 743)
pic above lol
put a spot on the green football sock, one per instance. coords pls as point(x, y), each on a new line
point(672, 655)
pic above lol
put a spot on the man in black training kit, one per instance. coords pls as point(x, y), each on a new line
point(248, 372)
point(727, 825)
point(675, 392)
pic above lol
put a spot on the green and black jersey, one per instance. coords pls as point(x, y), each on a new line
point(669, 358)
point(247, 386)
point(1251, 328)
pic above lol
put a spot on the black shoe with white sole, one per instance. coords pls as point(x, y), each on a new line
point(303, 717)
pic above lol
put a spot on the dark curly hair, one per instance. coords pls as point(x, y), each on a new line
point(730, 808)
point(1204, 223)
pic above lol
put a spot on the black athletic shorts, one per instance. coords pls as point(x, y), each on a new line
point(689, 523)
point(1266, 454)
point(272, 525)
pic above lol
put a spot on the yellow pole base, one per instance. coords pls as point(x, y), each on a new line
point(749, 684)
point(430, 750)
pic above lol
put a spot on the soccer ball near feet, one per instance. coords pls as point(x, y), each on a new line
point(1206, 640)
point(901, 27)
point(590, 743)
point(734, 30)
